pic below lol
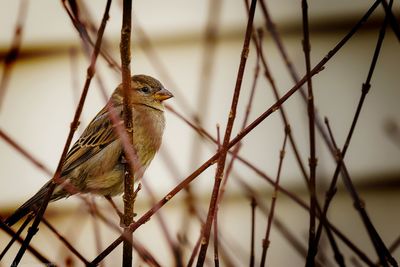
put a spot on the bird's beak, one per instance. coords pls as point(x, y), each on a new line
point(163, 94)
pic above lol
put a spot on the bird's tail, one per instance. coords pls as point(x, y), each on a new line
point(32, 205)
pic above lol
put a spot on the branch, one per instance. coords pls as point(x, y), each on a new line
point(312, 160)
point(129, 196)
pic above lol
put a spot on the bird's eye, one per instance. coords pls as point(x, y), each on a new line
point(145, 90)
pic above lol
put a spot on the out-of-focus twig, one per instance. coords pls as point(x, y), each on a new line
point(66, 242)
point(13, 53)
point(24, 152)
point(266, 240)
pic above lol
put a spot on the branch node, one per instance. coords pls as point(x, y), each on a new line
point(365, 88)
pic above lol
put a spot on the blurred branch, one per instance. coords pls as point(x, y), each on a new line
point(65, 242)
point(24, 152)
point(12, 54)
point(266, 240)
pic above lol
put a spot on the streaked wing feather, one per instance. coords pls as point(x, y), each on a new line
point(97, 135)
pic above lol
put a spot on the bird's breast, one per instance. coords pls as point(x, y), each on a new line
point(148, 128)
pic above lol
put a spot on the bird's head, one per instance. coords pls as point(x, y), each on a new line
point(145, 90)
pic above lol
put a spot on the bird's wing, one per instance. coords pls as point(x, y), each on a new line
point(97, 135)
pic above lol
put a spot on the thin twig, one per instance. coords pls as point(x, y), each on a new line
point(66, 242)
point(96, 227)
point(237, 148)
point(194, 252)
point(266, 240)
point(12, 54)
point(391, 19)
point(176, 252)
point(253, 229)
point(282, 110)
point(312, 160)
point(73, 13)
point(143, 253)
point(24, 152)
point(216, 241)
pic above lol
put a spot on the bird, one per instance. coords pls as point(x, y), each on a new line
point(95, 163)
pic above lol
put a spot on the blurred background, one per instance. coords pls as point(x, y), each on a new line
point(194, 48)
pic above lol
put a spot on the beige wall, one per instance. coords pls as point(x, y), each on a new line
point(41, 98)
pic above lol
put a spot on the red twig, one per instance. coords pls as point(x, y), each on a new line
point(164, 228)
point(66, 242)
point(266, 241)
point(194, 252)
point(253, 229)
point(312, 160)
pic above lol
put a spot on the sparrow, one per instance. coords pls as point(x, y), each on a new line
point(95, 163)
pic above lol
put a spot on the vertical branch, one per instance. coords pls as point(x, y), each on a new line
point(216, 241)
point(266, 241)
point(312, 161)
point(227, 136)
point(128, 198)
point(253, 226)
